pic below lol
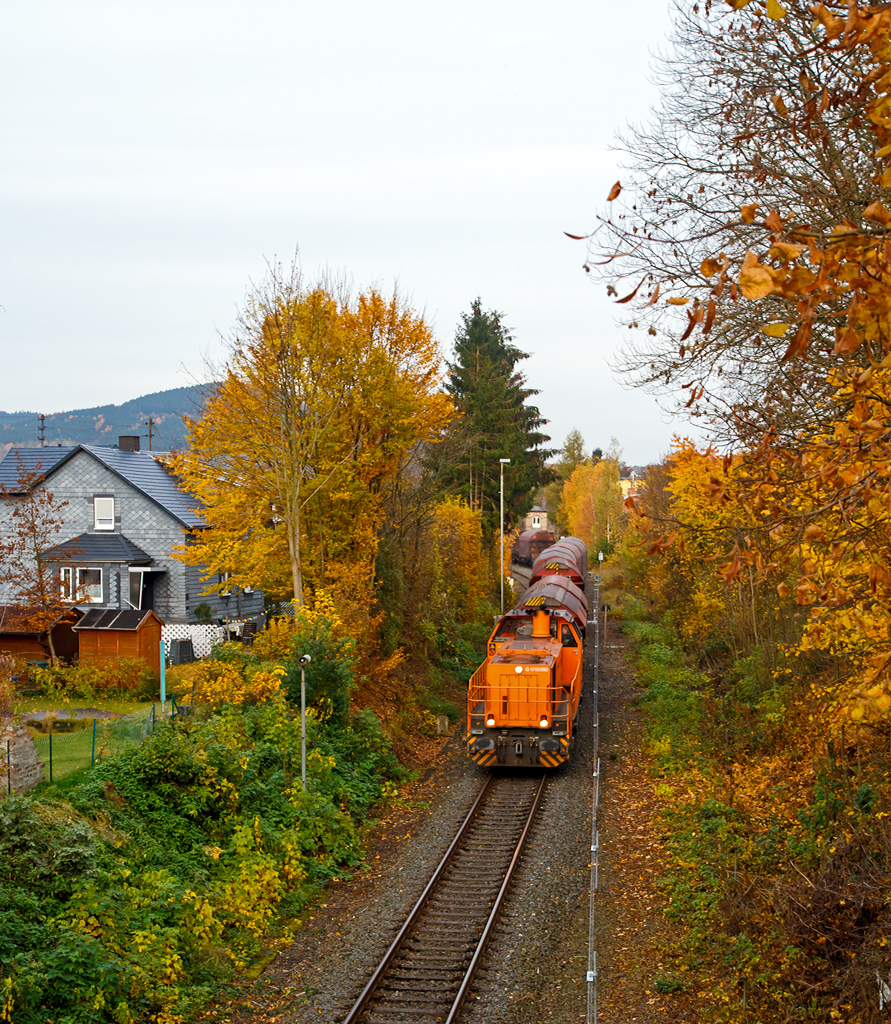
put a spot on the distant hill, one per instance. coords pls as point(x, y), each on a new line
point(103, 424)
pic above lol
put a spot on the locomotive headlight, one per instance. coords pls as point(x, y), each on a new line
point(490, 720)
point(544, 722)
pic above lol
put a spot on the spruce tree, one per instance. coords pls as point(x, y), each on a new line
point(496, 421)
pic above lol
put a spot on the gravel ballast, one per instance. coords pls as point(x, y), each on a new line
point(535, 968)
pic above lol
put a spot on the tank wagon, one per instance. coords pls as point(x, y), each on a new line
point(522, 702)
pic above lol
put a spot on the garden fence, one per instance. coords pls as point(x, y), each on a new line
point(591, 1016)
point(61, 753)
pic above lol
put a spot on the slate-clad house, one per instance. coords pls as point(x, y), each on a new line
point(125, 514)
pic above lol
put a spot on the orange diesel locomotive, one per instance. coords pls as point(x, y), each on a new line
point(523, 700)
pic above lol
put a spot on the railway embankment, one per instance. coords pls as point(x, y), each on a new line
point(535, 968)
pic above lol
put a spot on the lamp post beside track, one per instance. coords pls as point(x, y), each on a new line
point(304, 661)
point(501, 531)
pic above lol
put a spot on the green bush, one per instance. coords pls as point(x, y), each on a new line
point(150, 887)
point(86, 679)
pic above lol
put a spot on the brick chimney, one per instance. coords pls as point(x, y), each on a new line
point(128, 442)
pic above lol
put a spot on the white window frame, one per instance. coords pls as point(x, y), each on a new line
point(224, 578)
point(536, 520)
point(66, 582)
point(103, 513)
point(85, 597)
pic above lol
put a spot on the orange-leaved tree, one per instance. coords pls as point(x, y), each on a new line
point(29, 555)
point(814, 497)
point(323, 400)
point(825, 492)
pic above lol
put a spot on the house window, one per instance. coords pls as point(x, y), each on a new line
point(536, 521)
point(81, 585)
point(103, 513)
point(89, 586)
point(224, 578)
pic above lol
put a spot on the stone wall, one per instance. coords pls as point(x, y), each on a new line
point(23, 771)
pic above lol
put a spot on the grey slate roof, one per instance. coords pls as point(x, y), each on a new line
point(96, 618)
point(147, 474)
point(141, 469)
point(33, 460)
point(98, 547)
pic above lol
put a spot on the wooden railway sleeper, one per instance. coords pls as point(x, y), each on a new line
point(421, 962)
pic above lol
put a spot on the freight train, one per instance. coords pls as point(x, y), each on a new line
point(527, 547)
point(522, 702)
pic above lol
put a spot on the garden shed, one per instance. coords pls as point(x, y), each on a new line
point(107, 636)
point(19, 637)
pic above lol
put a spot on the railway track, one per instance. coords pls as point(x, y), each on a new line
point(426, 974)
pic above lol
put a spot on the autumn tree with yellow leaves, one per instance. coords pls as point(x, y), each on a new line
point(592, 503)
point(812, 490)
point(771, 317)
point(824, 494)
point(754, 109)
point(323, 400)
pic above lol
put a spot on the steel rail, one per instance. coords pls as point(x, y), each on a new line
point(496, 909)
point(396, 944)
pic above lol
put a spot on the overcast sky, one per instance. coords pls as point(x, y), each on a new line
point(155, 155)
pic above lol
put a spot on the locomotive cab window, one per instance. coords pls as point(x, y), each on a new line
point(507, 631)
point(568, 639)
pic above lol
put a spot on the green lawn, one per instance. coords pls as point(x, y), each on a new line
point(74, 750)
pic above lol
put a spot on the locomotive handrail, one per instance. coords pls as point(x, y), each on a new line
point(477, 680)
point(550, 692)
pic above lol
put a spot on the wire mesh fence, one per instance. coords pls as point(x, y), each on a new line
point(61, 753)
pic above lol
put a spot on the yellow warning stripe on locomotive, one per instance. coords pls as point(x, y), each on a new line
point(551, 760)
point(484, 758)
point(535, 602)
